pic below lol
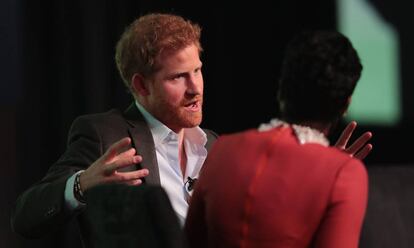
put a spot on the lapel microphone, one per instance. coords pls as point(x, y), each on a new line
point(190, 183)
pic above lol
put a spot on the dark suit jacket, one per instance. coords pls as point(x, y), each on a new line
point(41, 208)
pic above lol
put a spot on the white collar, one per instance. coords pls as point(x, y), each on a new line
point(160, 132)
point(304, 134)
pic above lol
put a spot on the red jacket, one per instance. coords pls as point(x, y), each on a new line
point(264, 189)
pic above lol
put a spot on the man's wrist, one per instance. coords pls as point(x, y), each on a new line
point(77, 190)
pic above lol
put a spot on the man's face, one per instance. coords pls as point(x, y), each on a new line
point(176, 90)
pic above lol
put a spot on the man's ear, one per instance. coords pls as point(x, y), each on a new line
point(138, 85)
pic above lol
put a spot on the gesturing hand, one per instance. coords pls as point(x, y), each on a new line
point(359, 149)
point(104, 170)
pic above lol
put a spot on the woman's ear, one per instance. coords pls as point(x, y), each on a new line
point(280, 102)
point(345, 109)
point(138, 85)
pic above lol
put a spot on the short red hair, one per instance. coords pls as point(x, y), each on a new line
point(149, 36)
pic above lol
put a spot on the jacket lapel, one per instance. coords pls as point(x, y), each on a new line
point(143, 142)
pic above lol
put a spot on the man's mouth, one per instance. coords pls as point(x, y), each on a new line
point(193, 106)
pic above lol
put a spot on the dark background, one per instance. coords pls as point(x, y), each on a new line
point(57, 63)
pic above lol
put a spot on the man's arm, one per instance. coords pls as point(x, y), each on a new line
point(41, 208)
point(44, 207)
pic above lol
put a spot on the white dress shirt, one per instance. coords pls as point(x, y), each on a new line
point(166, 146)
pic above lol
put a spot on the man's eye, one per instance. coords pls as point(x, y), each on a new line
point(177, 77)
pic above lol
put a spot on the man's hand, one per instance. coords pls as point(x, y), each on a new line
point(359, 149)
point(104, 170)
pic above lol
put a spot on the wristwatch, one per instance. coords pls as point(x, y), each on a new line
point(77, 191)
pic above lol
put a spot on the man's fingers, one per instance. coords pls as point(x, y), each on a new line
point(359, 143)
point(124, 159)
point(128, 153)
point(127, 161)
point(116, 148)
point(121, 163)
point(134, 182)
point(363, 152)
point(131, 175)
point(345, 135)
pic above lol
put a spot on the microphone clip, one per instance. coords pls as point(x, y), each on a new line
point(190, 183)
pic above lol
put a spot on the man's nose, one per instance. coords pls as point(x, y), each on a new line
point(195, 85)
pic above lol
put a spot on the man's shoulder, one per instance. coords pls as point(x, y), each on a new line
point(210, 133)
point(211, 138)
point(109, 126)
point(113, 117)
point(102, 116)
